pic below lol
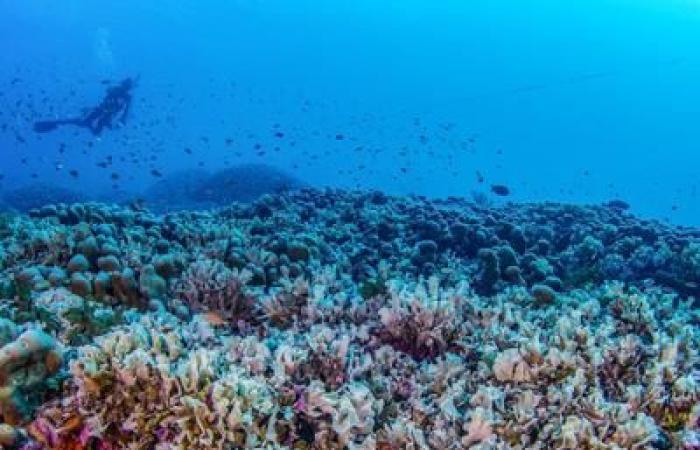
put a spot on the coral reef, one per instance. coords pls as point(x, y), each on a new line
point(348, 320)
point(26, 366)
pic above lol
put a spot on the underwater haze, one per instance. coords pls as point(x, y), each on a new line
point(349, 225)
point(569, 101)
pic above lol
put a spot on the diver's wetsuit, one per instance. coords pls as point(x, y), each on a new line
point(116, 104)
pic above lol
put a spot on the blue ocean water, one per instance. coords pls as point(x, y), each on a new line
point(569, 101)
point(184, 309)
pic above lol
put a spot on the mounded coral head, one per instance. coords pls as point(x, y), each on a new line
point(26, 364)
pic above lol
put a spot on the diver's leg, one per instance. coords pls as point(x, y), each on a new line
point(91, 122)
point(45, 126)
point(99, 125)
point(125, 111)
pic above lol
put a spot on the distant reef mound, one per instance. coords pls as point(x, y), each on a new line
point(176, 190)
point(244, 183)
point(200, 189)
point(36, 195)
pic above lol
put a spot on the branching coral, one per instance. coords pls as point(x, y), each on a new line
point(137, 387)
point(422, 323)
point(208, 285)
point(286, 306)
point(327, 358)
point(349, 414)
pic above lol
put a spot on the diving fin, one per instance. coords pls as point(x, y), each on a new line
point(46, 126)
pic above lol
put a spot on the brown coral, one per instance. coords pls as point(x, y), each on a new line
point(209, 286)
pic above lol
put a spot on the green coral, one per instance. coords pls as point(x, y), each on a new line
point(7, 288)
point(26, 367)
point(6, 223)
point(32, 313)
point(584, 276)
point(690, 260)
point(89, 320)
point(373, 287)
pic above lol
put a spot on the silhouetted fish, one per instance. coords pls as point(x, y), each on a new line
point(500, 189)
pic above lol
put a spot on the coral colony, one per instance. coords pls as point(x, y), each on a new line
point(348, 320)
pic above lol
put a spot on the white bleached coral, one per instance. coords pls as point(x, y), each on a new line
point(138, 384)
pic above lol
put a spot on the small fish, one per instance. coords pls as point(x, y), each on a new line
point(156, 173)
point(500, 190)
point(74, 173)
point(479, 177)
point(70, 425)
point(214, 319)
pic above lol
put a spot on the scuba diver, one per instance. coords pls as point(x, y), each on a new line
point(115, 105)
